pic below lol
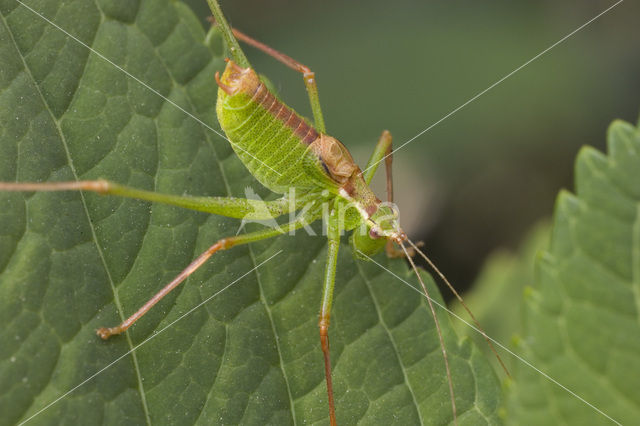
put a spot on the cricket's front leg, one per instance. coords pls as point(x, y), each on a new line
point(384, 151)
point(327, 299)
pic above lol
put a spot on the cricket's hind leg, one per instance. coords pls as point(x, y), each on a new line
point(240, 208)
point(308, 76)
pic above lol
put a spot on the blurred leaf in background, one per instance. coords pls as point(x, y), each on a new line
point(581, 317)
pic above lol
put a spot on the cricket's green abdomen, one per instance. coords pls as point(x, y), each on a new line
point(270, 138)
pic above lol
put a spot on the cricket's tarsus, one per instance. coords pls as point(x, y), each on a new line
point(298, 155)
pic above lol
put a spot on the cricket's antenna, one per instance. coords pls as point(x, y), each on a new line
point(435, 320)
point(453, 290)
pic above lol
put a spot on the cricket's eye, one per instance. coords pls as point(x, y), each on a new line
point(373, 234)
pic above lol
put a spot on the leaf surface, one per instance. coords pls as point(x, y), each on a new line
point(581, 319)
point(71, 262)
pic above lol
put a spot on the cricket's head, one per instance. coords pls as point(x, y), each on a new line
point(375, 231)
point(384, 224)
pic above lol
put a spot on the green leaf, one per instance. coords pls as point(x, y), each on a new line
point(72, 262)
point(581, 318)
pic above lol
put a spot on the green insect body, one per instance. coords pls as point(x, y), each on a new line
point(261, 127)
point(283, 151)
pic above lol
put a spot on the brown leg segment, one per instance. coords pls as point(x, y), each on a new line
point(106, 332)
point(391, 250)
point(388, 161)
point(324, 342)
point(223, 244)
point(384, 150)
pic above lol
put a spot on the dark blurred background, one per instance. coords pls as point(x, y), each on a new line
point(482, 177)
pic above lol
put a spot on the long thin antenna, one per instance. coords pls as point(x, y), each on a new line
point(435, 320)
point(453, 290)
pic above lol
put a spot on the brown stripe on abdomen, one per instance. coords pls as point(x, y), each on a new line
point(261, 94)
point(306, 133)
point(293, 122)
point(309, 136)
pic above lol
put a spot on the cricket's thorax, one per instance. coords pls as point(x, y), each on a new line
point(280, 148)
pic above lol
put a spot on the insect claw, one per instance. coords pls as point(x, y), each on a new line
point(105, 333)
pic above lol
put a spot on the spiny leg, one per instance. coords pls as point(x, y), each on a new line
point(387, 140)
point(325, 309)
point(384, 149)
point(222, 244)
point(308, 76)
point(388, 161)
